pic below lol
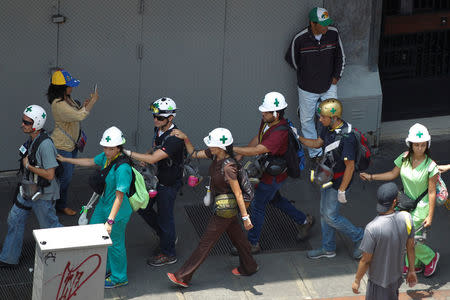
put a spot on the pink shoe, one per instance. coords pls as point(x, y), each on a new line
point(431, 267)
point(416, 269)
point(176, 281)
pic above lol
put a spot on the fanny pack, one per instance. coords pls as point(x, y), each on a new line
point(82, 138)
point(274, 165)
point(225, 205)
point(408, 204)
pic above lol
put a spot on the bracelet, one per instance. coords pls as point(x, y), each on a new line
point(371, 177)
point(27, 166)
point(245, 218)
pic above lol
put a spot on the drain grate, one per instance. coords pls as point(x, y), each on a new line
point(278, 233)
point(17, 283)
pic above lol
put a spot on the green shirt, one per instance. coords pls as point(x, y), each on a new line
point(415, 181)
point(117, 180)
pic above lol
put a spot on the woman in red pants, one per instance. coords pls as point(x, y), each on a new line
point(228, 201)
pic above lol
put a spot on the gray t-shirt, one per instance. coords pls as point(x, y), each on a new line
point(385, 237)
point(46, 159)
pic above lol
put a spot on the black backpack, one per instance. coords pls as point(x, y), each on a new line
point(42, 182)
point(248, 191)
point(294, 156)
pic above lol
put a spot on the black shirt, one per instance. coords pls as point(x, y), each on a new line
point(170, 169)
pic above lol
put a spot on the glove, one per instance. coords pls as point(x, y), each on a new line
point(341, 196)
point(126, 152)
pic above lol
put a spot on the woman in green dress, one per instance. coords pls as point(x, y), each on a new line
point(418, 173)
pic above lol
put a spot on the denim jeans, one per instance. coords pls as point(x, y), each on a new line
point(330, 220)
point(66, 177)
point(307, 102)
point(17, 218)
point(269, 193)
point(163, 221)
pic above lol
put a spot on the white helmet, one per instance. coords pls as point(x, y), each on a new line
point(164, 107)
point(37, 114)
point(219, 137)
point(273, 101)
point(418, 134)
point(112, 137)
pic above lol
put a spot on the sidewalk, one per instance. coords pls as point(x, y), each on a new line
point(282, 274)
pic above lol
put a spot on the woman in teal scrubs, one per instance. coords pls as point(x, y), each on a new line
point(113, 207)
point(418, 173)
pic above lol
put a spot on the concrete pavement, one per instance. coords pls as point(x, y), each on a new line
point(282, 275)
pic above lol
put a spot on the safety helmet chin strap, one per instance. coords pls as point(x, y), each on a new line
point(275, 114)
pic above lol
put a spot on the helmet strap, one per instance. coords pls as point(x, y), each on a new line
point(275, 114)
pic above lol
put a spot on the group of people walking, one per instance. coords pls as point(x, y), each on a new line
point(44, 185)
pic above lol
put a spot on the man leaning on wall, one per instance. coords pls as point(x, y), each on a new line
point(317, 55)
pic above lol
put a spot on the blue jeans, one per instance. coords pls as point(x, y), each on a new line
point(264, 194)
point(330, 220)
point(17, 218)
point(307, 102)
point(163, 221)
point(66, 177)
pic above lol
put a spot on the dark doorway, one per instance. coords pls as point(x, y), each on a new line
point(414, 59)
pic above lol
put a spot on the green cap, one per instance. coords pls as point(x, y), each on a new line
point(320, 15)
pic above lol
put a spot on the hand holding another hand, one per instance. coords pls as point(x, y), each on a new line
point(365, 176)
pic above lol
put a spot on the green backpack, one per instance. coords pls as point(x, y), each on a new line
point(138, 194)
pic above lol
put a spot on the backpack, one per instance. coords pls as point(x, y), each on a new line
point(24, 151)
point(248, 191)
point(363, 154)
point(137, 194)
point(294, 155)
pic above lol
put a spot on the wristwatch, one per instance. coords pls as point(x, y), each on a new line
point(110, 222)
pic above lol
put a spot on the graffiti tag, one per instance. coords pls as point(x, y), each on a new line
point(74, 278)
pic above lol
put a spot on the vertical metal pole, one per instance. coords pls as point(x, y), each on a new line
point(375, 35)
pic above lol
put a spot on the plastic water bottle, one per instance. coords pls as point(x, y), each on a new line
point(82, 220)
point(207, 198)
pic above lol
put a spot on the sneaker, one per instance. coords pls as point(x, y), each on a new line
point(161, 260)
point(110, 285)
point(357, 253)
point(319, 253)
point(236, 272)
point(431, 267)
point(176, 281)
point(416, 269)
point(303, 229)
point(254, 249)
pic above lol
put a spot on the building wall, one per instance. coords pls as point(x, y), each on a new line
point(215, 58)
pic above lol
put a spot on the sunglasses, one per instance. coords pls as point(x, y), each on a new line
point(27, 122)
point(159, 118)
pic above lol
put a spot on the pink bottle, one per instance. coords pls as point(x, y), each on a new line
point(152, 193)
point(192, 181)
